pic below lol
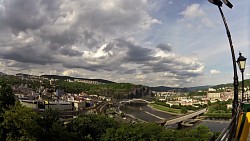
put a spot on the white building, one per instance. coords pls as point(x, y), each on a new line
point(213, 96)
point(211, 90)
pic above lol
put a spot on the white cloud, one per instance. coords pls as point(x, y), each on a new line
point(71, 72)
point(193, 11)
point(195, 17)
point(214, 71)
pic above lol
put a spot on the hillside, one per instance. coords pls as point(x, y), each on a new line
point(246, 83)
point(164, 89)
point(69, 77)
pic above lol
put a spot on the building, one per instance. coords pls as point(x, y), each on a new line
point(59, 105)
point(79, 105)
point(211, 90)
point(35, 104)
point(213, 96)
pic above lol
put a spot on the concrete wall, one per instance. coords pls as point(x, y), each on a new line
point(59, 106)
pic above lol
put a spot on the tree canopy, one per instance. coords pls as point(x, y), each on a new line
point(22, 123)
point(7, 97)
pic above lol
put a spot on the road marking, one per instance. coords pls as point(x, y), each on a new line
point(154, 115)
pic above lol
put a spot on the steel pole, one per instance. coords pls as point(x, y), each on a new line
point(242, 83)
point(235, 78)
point(235, 82)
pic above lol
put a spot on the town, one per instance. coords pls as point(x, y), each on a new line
point(47, 94)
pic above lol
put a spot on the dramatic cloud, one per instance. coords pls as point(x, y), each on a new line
point(90, 38)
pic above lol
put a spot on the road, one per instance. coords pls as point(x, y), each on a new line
point(146, 113)
point(100, 108)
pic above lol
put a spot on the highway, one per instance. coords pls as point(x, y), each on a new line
point(146, 113)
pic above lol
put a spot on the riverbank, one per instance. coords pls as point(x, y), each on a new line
point(218, 115)
point(165, 109)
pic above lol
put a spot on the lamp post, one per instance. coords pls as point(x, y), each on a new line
point(242, 63)
point(235, 82)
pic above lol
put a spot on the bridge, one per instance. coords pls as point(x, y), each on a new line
point(134, 99)
point(184, 118)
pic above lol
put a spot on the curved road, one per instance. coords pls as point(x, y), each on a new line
point(146, 113)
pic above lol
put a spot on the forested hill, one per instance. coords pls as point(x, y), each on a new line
point(188, 89)
point(164, 89)
point(69, 77)
point(192, 89)
point(246, 83)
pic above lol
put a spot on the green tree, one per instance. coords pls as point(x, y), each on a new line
point(7, 97)
point(184, 110)
point(20, 123)
point(87, 127)
point(51, 127)
point(48, 118)
point(134, 132)
point(209, 103)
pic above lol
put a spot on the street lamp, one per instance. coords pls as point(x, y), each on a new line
point(242, 63)
point(232, 128)
point(236, 82)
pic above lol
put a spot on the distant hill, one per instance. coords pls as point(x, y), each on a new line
point(69, 77)
point(164, 89)
point(196, 88)
point(188, 89)
point(246, 83)
point(192, 89)
point(57, 77)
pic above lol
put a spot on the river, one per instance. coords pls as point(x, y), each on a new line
point(214, 125)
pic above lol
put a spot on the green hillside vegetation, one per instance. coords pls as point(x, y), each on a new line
point(246, 83)
point(219, 109)
point(196, 93)
point(115, 90)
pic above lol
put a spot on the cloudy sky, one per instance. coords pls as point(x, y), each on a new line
point(151, 42)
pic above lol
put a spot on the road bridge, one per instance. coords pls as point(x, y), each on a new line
point(184, 118)
point(134, 100)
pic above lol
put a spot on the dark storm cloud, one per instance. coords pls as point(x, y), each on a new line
point(135, 53)
point(109, 47)
point(126, 71)
point(85, 35)
point(21, 15)
point(139, 54)
point(70, 52)
point(14, 64)
point(164, 47)
point(27, 55)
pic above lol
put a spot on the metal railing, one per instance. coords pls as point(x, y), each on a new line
point(229, 132)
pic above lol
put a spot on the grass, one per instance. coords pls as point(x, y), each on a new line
point(167, 109)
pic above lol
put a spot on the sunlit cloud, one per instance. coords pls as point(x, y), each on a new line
point(215, 71)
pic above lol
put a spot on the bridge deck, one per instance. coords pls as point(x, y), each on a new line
point(185, 117)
